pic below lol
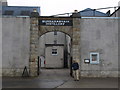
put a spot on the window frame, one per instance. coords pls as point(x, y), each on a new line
point(54, 52)
point(91, 57)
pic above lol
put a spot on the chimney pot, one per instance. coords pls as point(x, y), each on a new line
point(34, 10)
point(75, 11)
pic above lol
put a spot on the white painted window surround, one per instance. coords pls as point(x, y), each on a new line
point(94, 58)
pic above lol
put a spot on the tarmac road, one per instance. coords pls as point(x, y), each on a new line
point(58, 78)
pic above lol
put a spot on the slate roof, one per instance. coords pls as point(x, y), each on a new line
point(18, 10)
point(92, 12)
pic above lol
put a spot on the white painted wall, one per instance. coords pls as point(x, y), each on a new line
point(0, 51)
point(99, 35)
point(54, 61)
point(16, 43)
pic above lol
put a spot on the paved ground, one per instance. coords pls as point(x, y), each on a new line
point(59, 78)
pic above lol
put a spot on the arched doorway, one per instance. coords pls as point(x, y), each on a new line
point(42, 25)
point(55, 50)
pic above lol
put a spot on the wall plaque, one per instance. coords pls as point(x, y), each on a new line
point(55, 22)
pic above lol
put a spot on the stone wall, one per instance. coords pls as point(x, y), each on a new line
point(99, 35)
point(65, 29)
point(21, 39)
point(16, 45)
point(34, 46)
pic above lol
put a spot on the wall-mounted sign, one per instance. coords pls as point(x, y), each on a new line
point(55, 22)
point(87, 61)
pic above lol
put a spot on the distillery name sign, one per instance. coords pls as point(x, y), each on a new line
point(56, 22)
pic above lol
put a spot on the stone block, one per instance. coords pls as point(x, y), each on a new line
point(75, 42)
point(76, 29)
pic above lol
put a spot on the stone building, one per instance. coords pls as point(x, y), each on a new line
point(98, 38)
point(54, 55)
point(93, 43)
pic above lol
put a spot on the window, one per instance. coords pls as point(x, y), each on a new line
point(55, 32)
point(25, 13)
point(9, 12)
point(54, 51)
point(94, 58)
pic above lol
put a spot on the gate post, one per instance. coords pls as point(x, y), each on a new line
point(76, 40)
point(34, 42)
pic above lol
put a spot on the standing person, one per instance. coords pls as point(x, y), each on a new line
point(75, 67)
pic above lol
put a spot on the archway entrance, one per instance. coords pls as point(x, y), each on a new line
point(54, 50)
point(42, 25)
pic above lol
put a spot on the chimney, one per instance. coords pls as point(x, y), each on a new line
point(76, 14)
point(34, 13)
point(34, 10)
point(4, 3)
point(75, 11)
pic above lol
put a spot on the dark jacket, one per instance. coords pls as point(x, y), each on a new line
point(75, 66)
